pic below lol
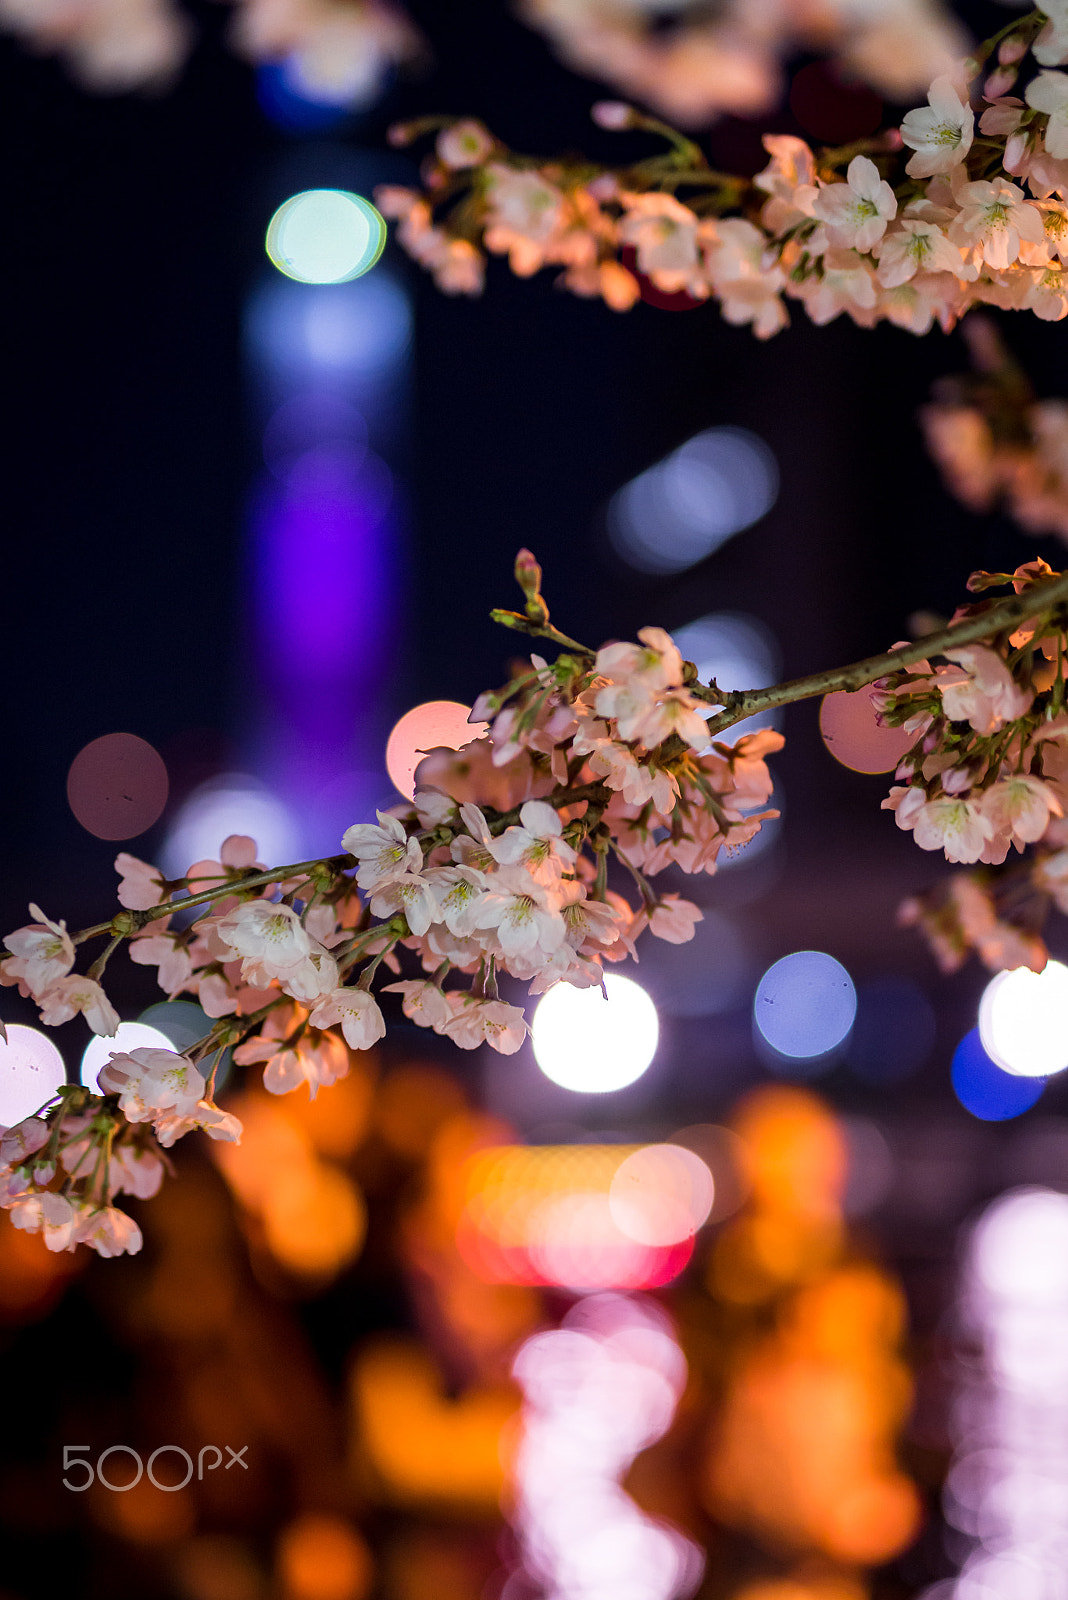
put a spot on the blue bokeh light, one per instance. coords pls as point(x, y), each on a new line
point(984, 1089)
point(805, 1004)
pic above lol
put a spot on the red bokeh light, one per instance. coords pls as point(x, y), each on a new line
point(117, 786)
point(855, 738)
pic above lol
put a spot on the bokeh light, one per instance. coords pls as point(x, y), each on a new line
point(736, 651)
point(594, 1042)
point(855, 738)
point(582, 1216)
point(232, 803)
point(598, 1390)
point(805, 1004)
point(320, 333)
point(325, 236)
point(314, 430)
point(128, 1036)
point(117, 786)
point(987, 1090)
point(423, 728)
point(322, 1557)
point(682, 509)
point(661, 1194)
point(31, 1070)
point(1005, 1490)
point(1023, 1020)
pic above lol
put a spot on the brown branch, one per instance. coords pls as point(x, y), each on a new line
point(1003, 617)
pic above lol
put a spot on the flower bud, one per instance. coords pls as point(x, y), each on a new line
point(1011, 50)
point(614, 115)
point(999, 83)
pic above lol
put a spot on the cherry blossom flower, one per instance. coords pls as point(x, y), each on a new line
point(151, 1082)
point(423, 1003)
point(994, 219)
point(465, 144)
point(524, 213)
point(23, 1140)
point(674, 919)
point(1021, 806)
point(42, 953)
point(169, 955)
point(476, 1022)
point(413, 896)
point(51, 1215)
point(518, 911)
point(108, 1231)
point(357, 1011)
point(789, 181)
point(664, 234)
point(914, 246)
point(134, 1170)
point(68, 996)
point(140, 885)
point(958, 827)
point(458, 893)
point(269, 937)
point(748, 289)
point(1049, 93)
point(173, 1125)
point(384, 853)
point(856, 212)
point(982, 691)
point(1051, 46)
point(536, 844)
point(941, 133)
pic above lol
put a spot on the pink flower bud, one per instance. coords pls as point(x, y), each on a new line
point(613, 114)
point(1011, 50)
point(999, 83)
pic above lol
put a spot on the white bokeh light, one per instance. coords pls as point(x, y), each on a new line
point(325, 236)
point(235, 803)
point(31, 1070)
point(591, 1044)
point(805, 1004)
point(1023, 1020)
point(682, 509)
point(128, 1036)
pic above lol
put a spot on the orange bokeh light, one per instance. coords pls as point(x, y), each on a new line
point(322, 1557)
point(434, 724)
point(854, 737)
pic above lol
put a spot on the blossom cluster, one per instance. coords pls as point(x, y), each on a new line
point(715, 57)
point(975, 215)
point(338, 51)
point(995, 442)
point(988, 775)
point(506, 869)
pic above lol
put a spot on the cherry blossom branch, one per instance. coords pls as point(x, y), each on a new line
point(1003, 617)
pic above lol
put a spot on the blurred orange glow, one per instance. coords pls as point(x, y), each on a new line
point(432, 725)
point(854, 737)
point(314, 1220)
point(803, 1451)
point(32, 1278)
point(312, 1215)
point(322, 1557)
point(412, 1104)
point(337, 1120)
point(815, 1588)
point(795, 1153)
point(144, 1514)
point(117, 786)
point(421, 1445)
point(582, 1216)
